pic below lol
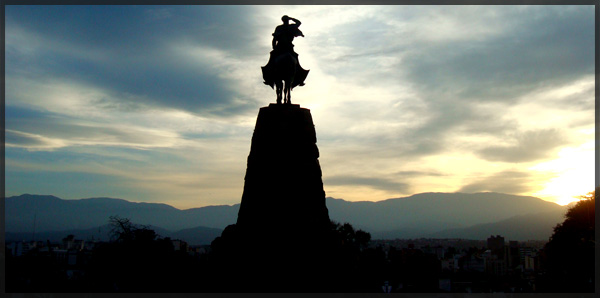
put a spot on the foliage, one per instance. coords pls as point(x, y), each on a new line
point(328, 258)
point(123, 230)
point(349, 237)
point(140, 260)
point(579, 225)
point(569, 254)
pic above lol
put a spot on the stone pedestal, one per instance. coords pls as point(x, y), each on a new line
point(280, 242)
point(283, 186)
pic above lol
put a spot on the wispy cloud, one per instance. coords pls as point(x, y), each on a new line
point(31, 141)
point(511, 182)
point(528, 146)
point(404, 98)
point(377, 183)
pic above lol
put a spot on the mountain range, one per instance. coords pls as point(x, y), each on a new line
point(426, 215)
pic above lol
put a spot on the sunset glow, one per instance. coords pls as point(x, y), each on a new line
point(159, 103)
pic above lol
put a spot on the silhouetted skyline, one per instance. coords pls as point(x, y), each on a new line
point(158, 103)
point(433, 215)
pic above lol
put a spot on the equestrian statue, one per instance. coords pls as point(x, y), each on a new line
point(283, 71)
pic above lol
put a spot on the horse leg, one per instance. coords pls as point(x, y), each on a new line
point(288, 91)
point(285, 96)
point(285, 101)
point(278, 89)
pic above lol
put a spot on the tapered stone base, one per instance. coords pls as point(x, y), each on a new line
point(280, 242)
point(283, 185)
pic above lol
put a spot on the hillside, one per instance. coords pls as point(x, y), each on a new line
point(439, 215)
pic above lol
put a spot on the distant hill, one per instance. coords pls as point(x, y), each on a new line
point(101, 233)
point(427, 213)
point(54, 214)
point(538, 226)
point(194, 236)
point(197, 235)
point(443, 215)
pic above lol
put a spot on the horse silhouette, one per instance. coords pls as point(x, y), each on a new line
point(283, 73)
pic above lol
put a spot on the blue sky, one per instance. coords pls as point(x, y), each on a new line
point(158, 103)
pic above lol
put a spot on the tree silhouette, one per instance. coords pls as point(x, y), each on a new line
point(331, 263)
point(350, 237)
point(569, 254)
point(139, 260)
point(123, 230)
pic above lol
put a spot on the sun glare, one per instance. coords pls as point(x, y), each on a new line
point(573, 175)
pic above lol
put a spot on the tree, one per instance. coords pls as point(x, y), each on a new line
point(137, 260)
point(123, 230)
point(292, 259)
point(569, 254)
point(349, 237)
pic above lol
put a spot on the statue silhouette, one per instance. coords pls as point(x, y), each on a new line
point(283, 71)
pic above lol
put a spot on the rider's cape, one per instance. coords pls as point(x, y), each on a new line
point(269, 71)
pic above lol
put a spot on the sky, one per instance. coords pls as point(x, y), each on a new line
point(159, 103)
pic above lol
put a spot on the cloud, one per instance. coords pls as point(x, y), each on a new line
point(454, 75)
point(510, 182)
point(86, 115)
point(576, 95)
point(132, 53)
point(395, 91)
point(35, 130)
point(419, 173)
point(376, 183)
point(457, 77)
point(529, 146)
point(525, 53)
point(31, 141)
point(429, 81)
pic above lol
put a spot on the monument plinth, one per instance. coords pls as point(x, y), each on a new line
point(283, 229)
point(283, 186)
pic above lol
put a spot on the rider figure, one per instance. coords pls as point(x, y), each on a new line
point(284, 35)
point(282, 43)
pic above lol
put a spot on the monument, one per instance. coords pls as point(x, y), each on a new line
point(283, 223)
point(283, 69)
